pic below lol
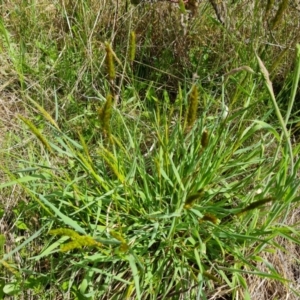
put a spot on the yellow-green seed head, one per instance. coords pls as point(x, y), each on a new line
point(132, 46)
point(191, 199)
point(78, 241)
point(204, 139)
point(110, 62)
point(210, 218)
point(36, 132)
point(105, 114)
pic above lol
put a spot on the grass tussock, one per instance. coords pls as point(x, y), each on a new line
point(149, 150)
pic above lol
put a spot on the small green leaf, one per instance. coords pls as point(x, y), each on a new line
point(11, 289)
point(21, 225)
point(67, 220)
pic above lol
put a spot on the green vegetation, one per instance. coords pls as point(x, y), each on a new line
point(148, 152)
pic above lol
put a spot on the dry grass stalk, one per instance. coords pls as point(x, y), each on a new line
point(239, 69)
point(269, 6)
point(192, 6)
point(220, 10)
point(279, 15)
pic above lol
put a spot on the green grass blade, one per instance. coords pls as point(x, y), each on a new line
point(67, 220)
point(135, 274)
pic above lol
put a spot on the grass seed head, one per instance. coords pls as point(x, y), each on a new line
point(210, 218)
point(110, 62)
point(37, 133)
point(78, 241)
point(105, 114)
point(204, 138)
point(132, 46)
point(191, 199)
point(8, 267)
point(124, 245)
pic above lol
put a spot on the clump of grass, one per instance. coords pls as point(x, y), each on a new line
point(160, 213)
point(202, 196)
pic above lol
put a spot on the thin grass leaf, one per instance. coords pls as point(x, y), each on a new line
point(24, 244)
point(175, 171)
point(135, 274)
point(85, 148)
point(50, 249)
point(166, 177)
point(295, 84)
point(269, 85)
point(24, 179)
point(90, 169)
point(113, 163)
point(260, 274)
point(65, 219)
point(256, 204)
point(109, 275)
